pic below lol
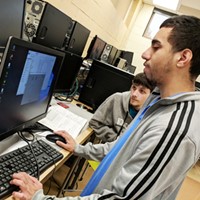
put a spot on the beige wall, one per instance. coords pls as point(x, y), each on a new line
point(100, 17)
point(136, 42)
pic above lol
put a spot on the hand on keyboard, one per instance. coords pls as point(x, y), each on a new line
point(28, 185)
point(24, 159)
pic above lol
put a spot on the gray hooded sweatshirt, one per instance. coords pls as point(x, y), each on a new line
point(153, 162)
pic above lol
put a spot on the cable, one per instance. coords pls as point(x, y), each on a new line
point(51, 178)
point(30, 146)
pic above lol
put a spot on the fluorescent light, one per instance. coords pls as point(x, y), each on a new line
point(169, 4)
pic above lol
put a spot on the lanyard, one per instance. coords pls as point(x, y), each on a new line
point(105, 163)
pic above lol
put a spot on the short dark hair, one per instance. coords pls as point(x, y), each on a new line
point(141, 79)
point(185, 34)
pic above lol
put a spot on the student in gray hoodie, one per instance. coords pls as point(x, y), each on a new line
point(150, 160)
point(118, 110)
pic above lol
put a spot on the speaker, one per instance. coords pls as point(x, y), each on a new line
point(33, 14)
point(106, 52)
point(122, 62)
point(116, 58)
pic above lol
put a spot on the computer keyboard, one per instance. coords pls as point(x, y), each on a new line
point(22, 159)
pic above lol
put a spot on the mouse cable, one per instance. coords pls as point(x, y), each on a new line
point(54, 169)
point(21, 135)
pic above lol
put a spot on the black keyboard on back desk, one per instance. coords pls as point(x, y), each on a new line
point(22, 159)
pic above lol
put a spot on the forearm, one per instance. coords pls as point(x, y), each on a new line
point(93, 152)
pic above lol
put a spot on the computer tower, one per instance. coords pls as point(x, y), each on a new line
point(76, 38)
point(102, 81)
point(53, 27)
point(33, 13)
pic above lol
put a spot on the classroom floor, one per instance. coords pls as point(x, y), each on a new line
point(52, 186)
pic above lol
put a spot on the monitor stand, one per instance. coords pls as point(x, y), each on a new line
point(37, 127)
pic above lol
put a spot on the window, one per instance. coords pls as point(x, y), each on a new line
point(157, 17)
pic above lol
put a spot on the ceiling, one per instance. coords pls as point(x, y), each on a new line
point(188, 7)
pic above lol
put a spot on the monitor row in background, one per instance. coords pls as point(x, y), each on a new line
point(37, 21)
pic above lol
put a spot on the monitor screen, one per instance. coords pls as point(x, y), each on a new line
point(96, 48)
point(28, 72)
point(53, 27)
point(11, 20)
point(68, 72)
point(102, 81)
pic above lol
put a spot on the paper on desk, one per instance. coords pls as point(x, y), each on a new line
point(59, 118)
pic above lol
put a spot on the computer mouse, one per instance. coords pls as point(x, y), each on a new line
point(54, 137)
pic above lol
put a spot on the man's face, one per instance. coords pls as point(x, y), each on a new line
point(159, 58)
point(139, 94)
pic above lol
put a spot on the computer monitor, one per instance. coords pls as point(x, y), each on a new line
point(68, 73)
point(11, 20)
point(96, 48)
point(102, 81)
point(53, 27)
point(28, 73)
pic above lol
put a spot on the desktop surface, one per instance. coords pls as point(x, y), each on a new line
point(14, 141)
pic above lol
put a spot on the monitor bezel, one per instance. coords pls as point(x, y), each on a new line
point(60, 85)
point(94, 42)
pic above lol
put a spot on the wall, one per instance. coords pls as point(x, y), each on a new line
point(136, 42)
point(100, 17)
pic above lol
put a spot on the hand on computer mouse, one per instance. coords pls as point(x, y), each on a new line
point(71, 143)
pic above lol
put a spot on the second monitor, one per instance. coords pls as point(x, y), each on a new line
point(68, 73)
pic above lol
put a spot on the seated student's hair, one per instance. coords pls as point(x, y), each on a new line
point(141, 79)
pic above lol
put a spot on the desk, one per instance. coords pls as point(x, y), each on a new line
point(81, 138)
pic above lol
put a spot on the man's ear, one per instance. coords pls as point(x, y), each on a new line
point(184, 58)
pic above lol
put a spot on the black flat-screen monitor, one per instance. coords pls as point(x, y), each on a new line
point(11, 20)
point(28, 73)
point(68, 72)
point(102, 81)
point(96, 48)
point(53, 27)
